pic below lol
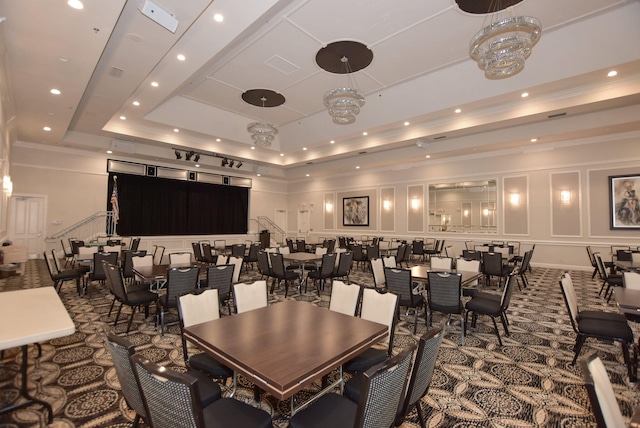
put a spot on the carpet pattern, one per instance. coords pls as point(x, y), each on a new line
point(528, 382)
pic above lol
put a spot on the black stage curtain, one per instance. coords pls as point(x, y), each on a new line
point(158, 206)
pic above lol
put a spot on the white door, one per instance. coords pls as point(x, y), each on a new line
point(303, 222)
point(26, 223)
point(280, 219)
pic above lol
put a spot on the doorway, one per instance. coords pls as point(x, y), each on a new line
point(26, 223)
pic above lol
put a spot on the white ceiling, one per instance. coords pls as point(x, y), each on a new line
point(106, 55)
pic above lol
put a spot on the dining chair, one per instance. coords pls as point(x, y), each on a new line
point(377, 267)
point(441, 263)
point(437, 249)
point(221, 259)
point(127, 264)
point(419, 377)
point(402, 255)
point(344, 266)
point(141, 262)
point(472, 255)
point(264, 267)
point(207, 253)
point(251, 259)
point(237, 263)
point(600, 325)
point(389, 261)
point(180, 281)
point(380, 307)
point(383, 388)
point(134, 297)
point(197, 252)
point(174, 399)
point(468, 265)
point(220, 277)
point(68, 253)
point(158, 254)
point(602, 396)
point(495, 308)
point(250, 296)
point(181, 259)
point(344, 298)
point(97, 272)
point(238, 250)
point(631, 280)
point(60, 277)
point(325, 272)
point(281, 274)
point(609, 280)
point(135, 243)
point(399, 282)
point(195, 309)
point(444, 295)
point(359, 255)
point(492, 266)
point(524, 267)
point(301, 246)
point(635, 256)
point(417, 249)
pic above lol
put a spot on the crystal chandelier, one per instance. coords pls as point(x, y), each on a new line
point(262, 133)
point(343, 104)
point(501, 48)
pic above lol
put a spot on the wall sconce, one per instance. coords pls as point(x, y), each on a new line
point(7, 185)
point(415, 203)
point(465, 213)
point(328, 207)
point(565, 197)
point(386, 205)
point(514, 199)
point(485, 211)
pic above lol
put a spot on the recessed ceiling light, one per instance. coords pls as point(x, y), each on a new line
point(176, 130)
point(76, 4)
point(258, 174)
point(332, 142)
point(136, 103)
point(458, 110)
point(253, 147)
point(181, 57)
point(524, 94)
point(304, 148)
point(109, 152)
point(218, 17)
point(197, 165)
point(155, 84)
point(357, 167)
point(281, 154)
point(47, 128)
point(123, 118)
point(217, 140)
point(406, 124)
point(428, 156)
point(63, 59)
point(308, 175)
point(612, 73)
point(533, 140)
point(365, 133)
point(55, 91)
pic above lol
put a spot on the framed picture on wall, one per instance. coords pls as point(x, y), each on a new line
point(623, 198)
point(355, 211)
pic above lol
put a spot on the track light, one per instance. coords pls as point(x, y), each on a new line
point(239, 164)
point(197, 157)
point(189, 155)
point(178, 154)
point(231, 163)
point(225, 162)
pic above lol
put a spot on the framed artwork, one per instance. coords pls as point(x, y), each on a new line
point(355, 211)
point(623, 199)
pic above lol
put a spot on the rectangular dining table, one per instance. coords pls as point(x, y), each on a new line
point(627, 265)
point(284, 347)
point(29, 316)
point(420, 273)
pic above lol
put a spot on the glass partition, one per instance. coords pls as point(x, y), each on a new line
point(463, 207)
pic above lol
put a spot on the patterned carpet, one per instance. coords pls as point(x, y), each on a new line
point(528, 382)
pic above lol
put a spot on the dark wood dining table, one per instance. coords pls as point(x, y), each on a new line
point(628, 301)
point(284, 347)
point(420, 273)
point(627, 265)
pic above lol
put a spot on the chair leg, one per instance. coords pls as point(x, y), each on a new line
point(111, 308)
point(503, 318)
point(463, 315)
point(420, 416)
point(577, 347)
point(136, 421)
point(627, 360)
point(115, 322)
point(133, 312)
point(495, 325)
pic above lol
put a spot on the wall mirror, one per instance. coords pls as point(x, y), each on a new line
point(463, 207)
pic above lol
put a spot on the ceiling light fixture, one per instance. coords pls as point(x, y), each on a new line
point(189, 155)
point(501, 48)
point(76, 4)
point(224, 162)
point(262, 133)
point(178, 154)
point(344, 57)
point(231, 163)
point(196, 157)
point(239, 164)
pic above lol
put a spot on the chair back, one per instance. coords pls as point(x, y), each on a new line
point(469, 245)
point(51, 267)
point(127, 261)
point(592, 259)
point(181, 259)
point(600, 266)
point(301, 246)
point(442, 263)
point(377, 267)
point(445, 292)
point(198, 308)
point(569, 293)
point(219, 245)
point(329, 244)
point(121, 351)
point(601, 394)
point(220, 277)
point(468, 265)
point(418, 247)
point(142, 261)
point(64, 249)
point(380, 307)
point(75, 246)
point(207, 255)
point(115, 281)
point(284, 250)
point(328, 262)
point(320, 251)
point(98, 273)
point(399, 282)
point(492, 263)
point(338, 252)
point(631, 280)
point(221, 259)
point(635, 257)
point(237, 250)
point(135, 243)
point(86, 253)
point(250, 296)
point(384, 387)
point(400, 257)
point(158, 253)
point(508, 291)
point(373, 252)
point(237, 263)
point(263, 263)
point(181, 281)
point(197, 251)
point(389, 261)
point(172, 398)
point(422, 371)
point(290, 245)
point(56, 260)
point(112, 249)
point(344, 298)
point(253, 253)
point(277, 265)
point(472, 255)
point(526, 260)
point(344, 264)
point(514, 246)
point(623, 255)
